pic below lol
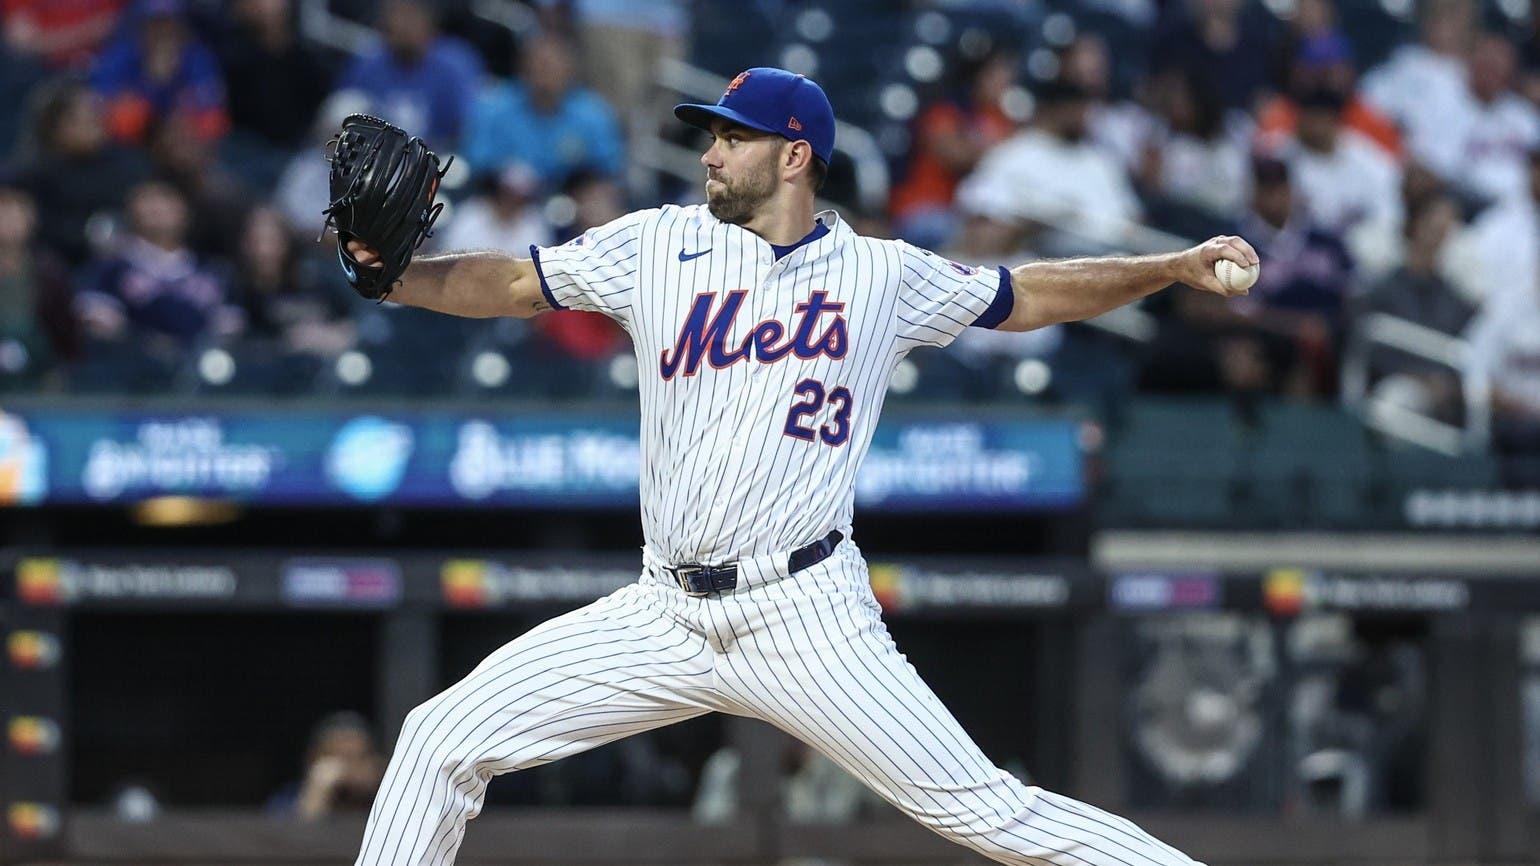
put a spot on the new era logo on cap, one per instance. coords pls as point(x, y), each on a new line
point(772, 100)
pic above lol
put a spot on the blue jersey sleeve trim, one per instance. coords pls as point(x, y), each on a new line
point(1000, 308)
point(534, 256)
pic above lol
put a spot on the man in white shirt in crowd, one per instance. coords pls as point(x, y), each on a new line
point(1505, 348)
point(1348, 186)
point(1050, 174)
point(1499, 254)
point(1422, 87)
point(1504, 126)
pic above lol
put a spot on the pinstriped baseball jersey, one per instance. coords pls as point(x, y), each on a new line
point(763, 369)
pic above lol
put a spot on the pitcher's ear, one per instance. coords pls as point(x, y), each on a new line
point(798, 154)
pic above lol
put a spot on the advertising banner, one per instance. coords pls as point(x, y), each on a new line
point(593, 460)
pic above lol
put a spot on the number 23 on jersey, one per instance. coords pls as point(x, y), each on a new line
point(836, 431)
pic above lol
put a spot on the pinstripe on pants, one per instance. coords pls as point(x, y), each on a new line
point(808, 653)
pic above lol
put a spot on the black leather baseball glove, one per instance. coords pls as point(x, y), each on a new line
point(382, 186)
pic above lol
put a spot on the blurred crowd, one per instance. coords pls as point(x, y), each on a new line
point(162, 184)
point(164, 181)
point(1392, 204)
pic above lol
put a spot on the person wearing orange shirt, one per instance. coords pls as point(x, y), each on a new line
point(950, 137)
point(1327, 61)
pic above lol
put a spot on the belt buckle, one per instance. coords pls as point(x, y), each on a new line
point(682, 577)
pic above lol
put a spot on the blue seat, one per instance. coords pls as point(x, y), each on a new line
point(412, 352)
point(122, 367)
point(1310, 464)
point(1172, 461)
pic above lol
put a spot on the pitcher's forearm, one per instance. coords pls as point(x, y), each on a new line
point(472, 284)
point(1050, 292)
point(1047, 293)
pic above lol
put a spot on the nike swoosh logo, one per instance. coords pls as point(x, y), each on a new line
point(684, 256)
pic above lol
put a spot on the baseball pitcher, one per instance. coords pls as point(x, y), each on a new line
point(766, 333)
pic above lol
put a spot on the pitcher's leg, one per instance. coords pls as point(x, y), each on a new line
point(836, 681)
point(617, 667)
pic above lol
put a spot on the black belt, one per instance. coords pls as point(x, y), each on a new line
point(698, 580)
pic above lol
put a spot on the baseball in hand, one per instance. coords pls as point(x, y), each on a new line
point(1234, 277)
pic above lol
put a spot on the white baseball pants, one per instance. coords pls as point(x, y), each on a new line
point(807, 653)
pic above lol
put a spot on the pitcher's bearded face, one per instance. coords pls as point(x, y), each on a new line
point(735, 195)
point(740, 171)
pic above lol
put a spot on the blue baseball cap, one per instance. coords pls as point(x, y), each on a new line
point(772, 100)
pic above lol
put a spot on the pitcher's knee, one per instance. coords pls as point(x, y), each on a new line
point(977, 815)
point(411, 726)
point(454, 742)
point(429, 736)
point(963, 824)
point(995, 834)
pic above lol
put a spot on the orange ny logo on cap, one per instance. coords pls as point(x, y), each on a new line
point(735, 82)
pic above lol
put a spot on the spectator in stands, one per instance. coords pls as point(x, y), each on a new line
point(545, 119)
point(19, 74)
point(1050, 174)
point(950, 137)
point(1086, 63)
point(35, 322)
point(63, 34)
point(1220, 44)
point(1504, 127)
point(1417, 292)
point(1129, 130)
point(1306, 267)
point(1306, 278)
point(1422, 86)
point(72, 166)
point(1505, 348)
point(1118, 126)
point(1282, 337)
point(1326, 62)
point(40, 38)
point(1193, 170)
point(416, 77)
point(218, 200)
point(1347, 186)
point(507, 216)
point(292, 299)
point(1115, 124)
point(597, 199)
point(1502, 246)
point(343, 767)
point(624, 42)
point(276, 82)
point(156, 68)
point(1312, 30)
point(155, 290)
